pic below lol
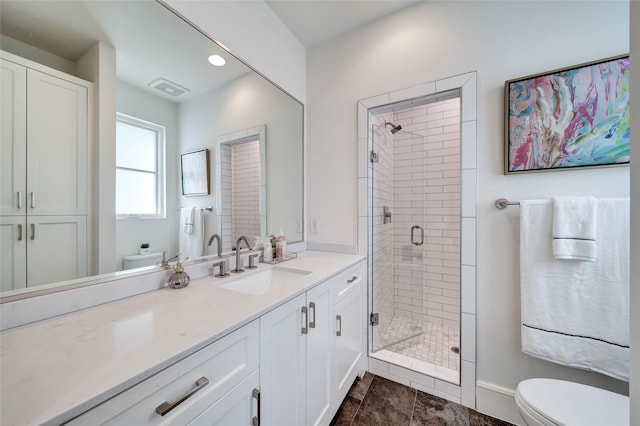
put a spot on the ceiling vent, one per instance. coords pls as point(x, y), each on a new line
point(168, 87)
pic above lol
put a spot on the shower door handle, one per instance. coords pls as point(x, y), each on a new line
point(413, 239)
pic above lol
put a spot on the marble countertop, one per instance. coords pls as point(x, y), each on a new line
point(55, 369)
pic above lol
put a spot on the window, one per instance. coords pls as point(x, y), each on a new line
point(140, 164)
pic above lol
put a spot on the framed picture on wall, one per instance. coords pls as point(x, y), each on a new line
point(195, 172)
point(569, 118)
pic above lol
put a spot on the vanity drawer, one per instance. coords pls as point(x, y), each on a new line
point(349, 279)
point(224, 364)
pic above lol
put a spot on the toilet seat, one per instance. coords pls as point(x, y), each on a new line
point(556, 402)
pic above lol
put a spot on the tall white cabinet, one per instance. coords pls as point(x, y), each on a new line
point(43, 175)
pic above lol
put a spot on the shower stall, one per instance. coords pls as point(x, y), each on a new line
point(414, 234)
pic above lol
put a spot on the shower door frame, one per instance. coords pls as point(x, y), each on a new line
point(465, 392)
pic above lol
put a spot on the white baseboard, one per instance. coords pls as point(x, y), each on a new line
point(497, 401)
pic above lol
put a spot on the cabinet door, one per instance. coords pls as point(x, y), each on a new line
point(319, 354)
point(57, 146)
point(13, 138)
point(237, 408)
point(349, 343)
point(13, 246)
point(56, 248)
point(283, 364)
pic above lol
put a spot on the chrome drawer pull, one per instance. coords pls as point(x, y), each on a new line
point(165, 407)
point(339, 325)
point(352, 279)
point(305, 321)
point(19, 199)
point(312, 322)
point(33, 200)
point(19, 232)
point(256, 419)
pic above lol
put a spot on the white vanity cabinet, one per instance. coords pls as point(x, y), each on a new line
point(213, 386)
point(43, 175)
point(350, 314)
point(296, 360)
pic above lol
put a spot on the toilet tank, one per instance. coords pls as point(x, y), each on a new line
point(140, 260)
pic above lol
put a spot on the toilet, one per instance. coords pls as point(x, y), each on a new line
point(140, 260)
point(551, 402)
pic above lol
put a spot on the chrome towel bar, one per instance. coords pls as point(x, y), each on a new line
point(503, 203)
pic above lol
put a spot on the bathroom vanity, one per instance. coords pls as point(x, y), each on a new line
point(277, 345)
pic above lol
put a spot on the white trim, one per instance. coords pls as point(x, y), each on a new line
point(467, 85)
point(499, 401)
point(161, 165)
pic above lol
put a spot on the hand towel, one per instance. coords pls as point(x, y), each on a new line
point(192, 244)
point(574, 228)
point(186, 218)
point(576, 313)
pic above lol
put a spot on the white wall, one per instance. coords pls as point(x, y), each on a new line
point(251, 31)
point(98, 65)
point(161, 234)
point(434, 40)
point(634, 390)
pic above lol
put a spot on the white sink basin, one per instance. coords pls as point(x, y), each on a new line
point(264, 281)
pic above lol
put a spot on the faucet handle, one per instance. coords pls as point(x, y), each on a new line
point(222, 264)
point(252, 260)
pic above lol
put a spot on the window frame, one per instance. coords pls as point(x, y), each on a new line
point(160, 174)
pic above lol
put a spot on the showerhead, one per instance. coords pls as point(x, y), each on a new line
point(394, 129)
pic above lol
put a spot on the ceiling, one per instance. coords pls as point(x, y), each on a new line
point(314, 22)
point(150, 41)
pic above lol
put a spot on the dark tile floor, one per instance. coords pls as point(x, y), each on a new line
point(374, 401)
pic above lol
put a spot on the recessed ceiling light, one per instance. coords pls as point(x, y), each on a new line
point(216, 60)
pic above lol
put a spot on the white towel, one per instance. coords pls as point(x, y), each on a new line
point(186, 218)
point(574, 228)
point(192, 244)
point(576, 313)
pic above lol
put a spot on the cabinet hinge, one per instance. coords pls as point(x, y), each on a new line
point(374, 319)
point(374, 156)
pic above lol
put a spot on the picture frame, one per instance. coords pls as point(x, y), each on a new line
point(569, 118)
point(194, 168)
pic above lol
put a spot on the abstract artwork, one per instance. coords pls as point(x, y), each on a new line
point(572, 117)
point(195, 172)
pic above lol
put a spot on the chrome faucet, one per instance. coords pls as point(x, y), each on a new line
point(240, 239)
point(219, 238)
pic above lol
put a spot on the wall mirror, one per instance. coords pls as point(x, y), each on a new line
point(147, 63)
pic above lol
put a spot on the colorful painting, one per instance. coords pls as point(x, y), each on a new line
point(195, 172)
point(573, 117)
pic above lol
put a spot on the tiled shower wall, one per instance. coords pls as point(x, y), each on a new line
point(245, 185)
point(418, 177)
point(427, 187)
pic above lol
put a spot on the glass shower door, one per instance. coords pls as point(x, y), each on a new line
point(396, 238)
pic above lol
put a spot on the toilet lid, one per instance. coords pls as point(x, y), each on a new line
point(567, 403)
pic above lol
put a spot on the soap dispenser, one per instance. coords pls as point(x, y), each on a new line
point(178, 278)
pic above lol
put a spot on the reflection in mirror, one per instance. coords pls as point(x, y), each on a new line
point(147, 64)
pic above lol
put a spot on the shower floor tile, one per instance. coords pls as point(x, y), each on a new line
point(422, 341)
